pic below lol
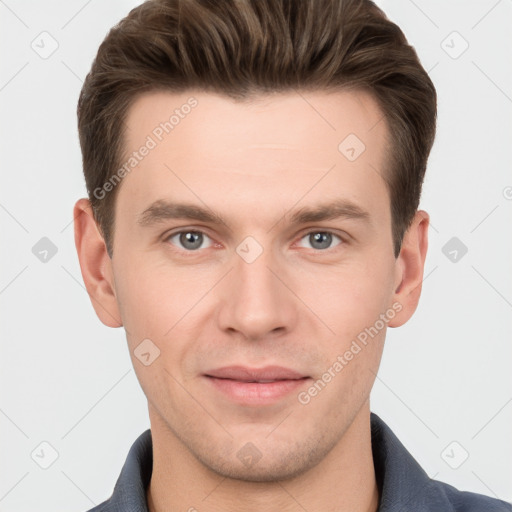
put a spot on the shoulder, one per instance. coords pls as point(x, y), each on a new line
point(404, 485)
point(464, 501)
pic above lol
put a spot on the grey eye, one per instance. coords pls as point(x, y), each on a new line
point(321, 240)
point(189, 240)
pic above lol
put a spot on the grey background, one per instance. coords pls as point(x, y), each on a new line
point(444, 385)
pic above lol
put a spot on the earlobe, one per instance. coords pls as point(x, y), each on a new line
point(409, 268)
point(95, 264)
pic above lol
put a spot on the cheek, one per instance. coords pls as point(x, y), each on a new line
point(348, 298)
point(162, 303)
point(148, 299)
point(350, 301)
point(152, 302)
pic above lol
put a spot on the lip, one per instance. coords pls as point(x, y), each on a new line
point(244, 373)
point(243, 385)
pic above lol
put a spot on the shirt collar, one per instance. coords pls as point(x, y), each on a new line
point(403, 484)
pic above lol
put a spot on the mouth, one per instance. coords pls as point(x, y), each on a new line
point(256, 381)
point(246, 374)
point(253, 386)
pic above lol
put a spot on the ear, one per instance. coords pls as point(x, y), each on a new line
point(409, 268)
point(95, 264)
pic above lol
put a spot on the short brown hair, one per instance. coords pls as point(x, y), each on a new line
point(242, 48)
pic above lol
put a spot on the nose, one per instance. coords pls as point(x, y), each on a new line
point(257, 300)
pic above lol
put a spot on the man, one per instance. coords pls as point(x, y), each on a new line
point(254, 170)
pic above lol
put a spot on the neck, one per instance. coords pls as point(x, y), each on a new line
point(343, 481)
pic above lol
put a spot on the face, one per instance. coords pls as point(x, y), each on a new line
point(256, 235)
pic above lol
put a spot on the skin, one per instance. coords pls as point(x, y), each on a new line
point(296, 305)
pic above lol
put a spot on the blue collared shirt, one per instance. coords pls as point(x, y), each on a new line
point(403, 485)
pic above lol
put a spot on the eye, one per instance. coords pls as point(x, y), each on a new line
point(189, 240)
point(321, 240)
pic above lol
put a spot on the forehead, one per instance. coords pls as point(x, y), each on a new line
point(207, 146)
point(270, 119)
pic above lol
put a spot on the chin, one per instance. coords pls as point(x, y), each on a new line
point(270, 464)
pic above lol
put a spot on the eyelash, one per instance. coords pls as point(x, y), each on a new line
point(313, 231)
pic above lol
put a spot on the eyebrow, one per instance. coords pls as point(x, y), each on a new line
point(163, 210)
